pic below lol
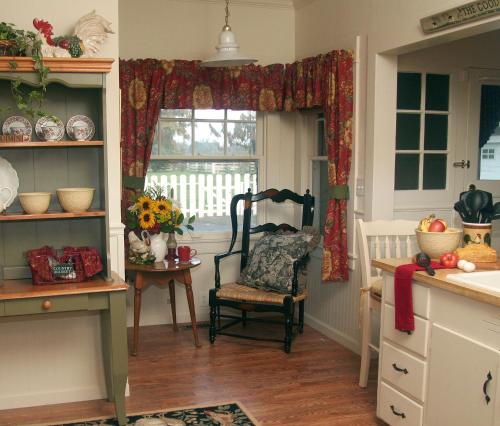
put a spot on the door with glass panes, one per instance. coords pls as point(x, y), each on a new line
point(424, 177)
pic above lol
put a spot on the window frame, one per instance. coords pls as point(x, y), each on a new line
point(259, 157)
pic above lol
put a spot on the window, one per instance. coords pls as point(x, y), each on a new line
point(206, 157)
point(488, 154)
point(421, 131)
point(489, 132)
point(320, 175)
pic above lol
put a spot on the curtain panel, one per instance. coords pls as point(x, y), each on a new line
point(324, 81)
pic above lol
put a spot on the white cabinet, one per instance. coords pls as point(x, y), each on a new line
point(463, 377)
point(446, 373)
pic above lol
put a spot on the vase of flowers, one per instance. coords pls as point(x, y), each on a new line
point(156, 213)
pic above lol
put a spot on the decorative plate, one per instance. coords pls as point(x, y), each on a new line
point(49, 129)
point(17, 125)
point(9, 184)
point(80, 128)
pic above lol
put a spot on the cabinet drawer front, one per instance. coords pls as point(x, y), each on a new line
point(41, 305)
point(411, 379)
point(416, 342)
point(391, 403)
point(421, 295)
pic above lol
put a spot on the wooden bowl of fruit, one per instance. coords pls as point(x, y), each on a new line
point(435, 238)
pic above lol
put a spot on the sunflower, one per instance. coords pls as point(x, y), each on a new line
point(144, 203)
point(147, 220)
point(162, 207)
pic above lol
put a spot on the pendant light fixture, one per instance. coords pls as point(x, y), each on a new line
point(228, 52)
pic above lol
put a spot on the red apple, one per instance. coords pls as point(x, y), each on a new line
point(449, 260)
point(437, 226)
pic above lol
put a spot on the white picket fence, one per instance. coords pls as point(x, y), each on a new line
point(205, 195)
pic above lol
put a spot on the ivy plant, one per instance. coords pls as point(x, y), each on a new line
point(29, 100)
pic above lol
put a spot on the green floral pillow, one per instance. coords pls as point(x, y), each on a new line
point(270, 263)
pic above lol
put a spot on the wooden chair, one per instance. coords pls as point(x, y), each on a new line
point(378, 239)
point(248, 299)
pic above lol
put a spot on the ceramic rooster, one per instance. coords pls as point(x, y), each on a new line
point(90, 33)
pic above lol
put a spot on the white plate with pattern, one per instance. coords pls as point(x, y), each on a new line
point(17, 125)
point(80, 128)
point(9, 184)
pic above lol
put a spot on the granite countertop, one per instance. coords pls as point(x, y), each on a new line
point(439, 281)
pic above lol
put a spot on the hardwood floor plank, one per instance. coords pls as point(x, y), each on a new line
point(316, 384)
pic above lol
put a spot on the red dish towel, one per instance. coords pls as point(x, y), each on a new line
point(403, 296)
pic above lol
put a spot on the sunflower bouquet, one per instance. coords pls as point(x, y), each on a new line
point(155, 212)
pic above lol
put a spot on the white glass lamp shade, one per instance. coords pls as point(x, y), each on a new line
point(228, 52)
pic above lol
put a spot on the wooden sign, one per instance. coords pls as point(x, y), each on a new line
point(460, 15)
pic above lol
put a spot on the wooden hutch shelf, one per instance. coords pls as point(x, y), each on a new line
point(55, 144)
point(87, 65)
point(12, 217)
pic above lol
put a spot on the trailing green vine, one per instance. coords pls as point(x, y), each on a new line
point(29, 101)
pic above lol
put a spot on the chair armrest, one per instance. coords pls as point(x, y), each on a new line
point(297, 266)
point(217, 259)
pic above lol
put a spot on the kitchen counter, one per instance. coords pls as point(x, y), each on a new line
point(439, 281)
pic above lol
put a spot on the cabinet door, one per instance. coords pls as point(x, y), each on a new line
point(459, 374)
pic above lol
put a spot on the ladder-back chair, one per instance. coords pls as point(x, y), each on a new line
point(247, 299)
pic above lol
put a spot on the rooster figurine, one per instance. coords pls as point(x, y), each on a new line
point(90, 33)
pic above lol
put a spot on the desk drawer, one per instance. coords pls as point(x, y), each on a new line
point(416, 342)
point(411, 379)
point(396, 409)
point(42, 305)
point(421, 296)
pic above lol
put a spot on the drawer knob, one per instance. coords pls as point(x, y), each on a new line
point(396, 413)
point(46, 305)
point(401, 370)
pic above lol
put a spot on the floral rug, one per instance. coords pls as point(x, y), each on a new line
point(230, 414)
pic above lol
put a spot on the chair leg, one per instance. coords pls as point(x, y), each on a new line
point(289, 307)
point(301, 316)
point(213, 309)
point(244, 318)
point(366, 331)
point(218, 316)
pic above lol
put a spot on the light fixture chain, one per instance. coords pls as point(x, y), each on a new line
point(227, 13)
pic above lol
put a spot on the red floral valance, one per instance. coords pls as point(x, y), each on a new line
point(324, 81)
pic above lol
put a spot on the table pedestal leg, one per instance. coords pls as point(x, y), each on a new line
point(137, 311)
point(190, 299)
point(171, 288)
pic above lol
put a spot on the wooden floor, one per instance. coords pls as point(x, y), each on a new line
point(314, 385)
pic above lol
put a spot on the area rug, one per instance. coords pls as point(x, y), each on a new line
point(228, 414)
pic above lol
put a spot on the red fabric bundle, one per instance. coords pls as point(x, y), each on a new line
point(82, 263)
point(403, 295)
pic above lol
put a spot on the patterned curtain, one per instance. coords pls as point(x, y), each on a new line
point(323, 82)
point(141, 84)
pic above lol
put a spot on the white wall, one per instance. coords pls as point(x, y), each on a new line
point(58, 359)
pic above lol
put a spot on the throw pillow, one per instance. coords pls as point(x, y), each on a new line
point(270, 263)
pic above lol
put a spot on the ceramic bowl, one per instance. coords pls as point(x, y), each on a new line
point(75, 200)
point(35, 202)
point(50, 133)
point(437, 243)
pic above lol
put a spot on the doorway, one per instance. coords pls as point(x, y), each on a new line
point(473, 70)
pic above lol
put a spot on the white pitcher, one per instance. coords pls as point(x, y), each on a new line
point(3, 205)
point(158, 245)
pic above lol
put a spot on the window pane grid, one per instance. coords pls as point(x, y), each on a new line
point(437, 137)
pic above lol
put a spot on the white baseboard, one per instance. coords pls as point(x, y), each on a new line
point(333, 333)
